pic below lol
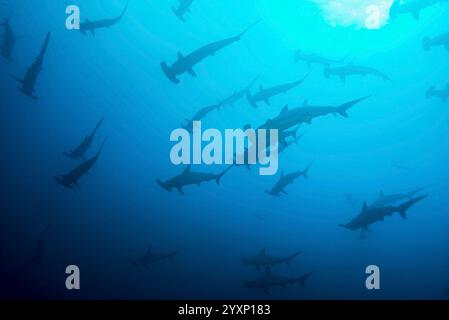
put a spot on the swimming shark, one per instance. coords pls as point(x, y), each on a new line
point(9, 40)
point(70, 180)
point(370, 215)
point(311, 58)
point(186, 63)
point(79, 151)
point(39, 256)
point(91, 26)
point(189, 177)
point(183, 8)
point(384, 199)
point(266, 94)
point(200, 115)
point(352, 70)
point(151, 257)
point(411, 6)
point(441, 40)
point(270, 280)
point(31, 76)
point(237, 95)
point(442, 94)
point(283, 135)
point(264, 260)
point(305, 114)
point(285, 180)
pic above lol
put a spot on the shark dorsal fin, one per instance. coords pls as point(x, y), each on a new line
point(305, 103)
point(262, 252)
point(186, 170)
point(267, 270)
point(365, 206)
point(285, 109)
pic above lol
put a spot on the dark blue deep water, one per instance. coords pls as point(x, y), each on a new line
point(395, 141)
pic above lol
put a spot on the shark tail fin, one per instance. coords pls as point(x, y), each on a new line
point(302, 280)
point(426, 43)
point(178, 14)
point(101, 147)
point(342, 110)
point(402, 209)
point(344, 226)
point(249, 28)
point(305, 172)
point(124, 9)
point(412, 193)
point(218, 178)
point(170, 257)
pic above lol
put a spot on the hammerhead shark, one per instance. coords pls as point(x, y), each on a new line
point(311, 58)
point(78, 152)
point(31, 76)
point(183, 8)
point(264, 260)
point(9, 40)
point(237, 95)
point(266, 94)
point(200, 115)
point(441, 40)
point(39, 256)
point(305, 114)
point(188, 177)
point(91, 26)
point(384, 199)
point(370, 215)
point(285, 180)
point(442, 94)
point(70, 180)
point(151, 257)
point(411, 6)
point(352, 70)
point(186, 63)
point(270, 280)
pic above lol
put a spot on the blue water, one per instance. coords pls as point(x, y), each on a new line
point(120, 211)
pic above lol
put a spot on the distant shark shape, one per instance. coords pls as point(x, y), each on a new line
point(266, 94)
point(9, 40)
point(91, 26)
point(79, 152)
point(441, 40)
point(269, 280)
point(237, 95)
point(285, 180)
point(311, 58)
point(353, 70)
point(200, 115)
point(152, 257)
point(70, 180)
point(182, 9)
point(265, 260)
point(384, 199)
point(370, 215)
point(189, 177)
point(411, 6)
point(39, 256)
point(289, 118)
point(186, 63)
point(29, 82)
point(442, 94)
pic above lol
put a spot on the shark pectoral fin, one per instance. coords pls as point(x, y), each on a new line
point(83, 32)
point(180, 190)
point(267, 101)
point(343, 113)
point(367, 229)
point(92, 31)
point(191, 72)
point(284, 192)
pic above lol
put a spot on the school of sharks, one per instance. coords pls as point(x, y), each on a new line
point(292, 121)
